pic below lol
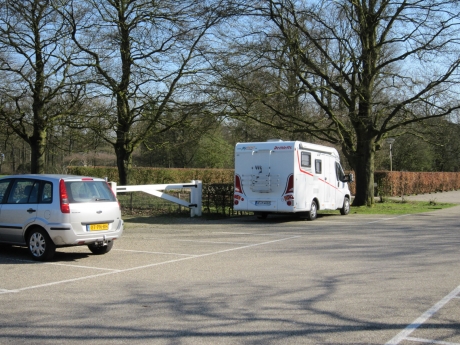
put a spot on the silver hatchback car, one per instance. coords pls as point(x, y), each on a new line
point(43, 212)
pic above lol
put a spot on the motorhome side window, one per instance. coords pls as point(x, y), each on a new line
point(339, 172)
point(305, 159)
point(318, 166)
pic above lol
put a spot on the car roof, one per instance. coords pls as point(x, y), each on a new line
point(52, 177)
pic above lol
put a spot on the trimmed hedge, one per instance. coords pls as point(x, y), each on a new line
point(399, 183)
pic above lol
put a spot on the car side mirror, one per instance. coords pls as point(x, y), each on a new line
point(350, 178)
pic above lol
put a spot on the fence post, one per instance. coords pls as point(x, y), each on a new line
point(196, 198)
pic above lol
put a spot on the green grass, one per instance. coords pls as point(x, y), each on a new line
point(399, 207)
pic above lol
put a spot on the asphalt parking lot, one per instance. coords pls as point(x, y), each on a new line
point(337, 280)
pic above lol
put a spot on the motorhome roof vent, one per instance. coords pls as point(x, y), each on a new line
point(270, 140)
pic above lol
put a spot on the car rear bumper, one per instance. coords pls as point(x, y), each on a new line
point(64, 235)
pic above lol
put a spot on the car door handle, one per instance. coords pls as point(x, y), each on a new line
point(31, 210)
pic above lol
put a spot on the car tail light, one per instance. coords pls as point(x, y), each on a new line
point(63, 198)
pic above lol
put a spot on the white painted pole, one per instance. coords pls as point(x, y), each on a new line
point(196, 198)
point(113, 185)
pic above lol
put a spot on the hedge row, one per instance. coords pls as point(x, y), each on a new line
point(399, 183)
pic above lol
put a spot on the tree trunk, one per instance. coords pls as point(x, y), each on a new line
point(124, 162)
point(123, 170)
point(37, 148)
point(123, 146)
point(363, 164)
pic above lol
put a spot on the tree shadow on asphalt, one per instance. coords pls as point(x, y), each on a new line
point(249, 313)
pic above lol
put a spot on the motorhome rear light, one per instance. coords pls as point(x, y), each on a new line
point(236, 202)
point(238, 197)
point(238, 186)
point(63, 197)
point(290, 184)
point(288, 197)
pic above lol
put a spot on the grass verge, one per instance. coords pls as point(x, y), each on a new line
point(400, 207)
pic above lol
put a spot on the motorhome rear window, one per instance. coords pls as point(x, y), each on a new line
point(305, 159)
point(318, 166)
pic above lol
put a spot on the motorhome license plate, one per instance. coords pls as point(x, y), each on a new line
point(97, 227)
point(263, 203)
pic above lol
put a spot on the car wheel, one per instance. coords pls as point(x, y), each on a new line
point(346, 207)
point(40, 245)
point(99, 250)
point(311, 215)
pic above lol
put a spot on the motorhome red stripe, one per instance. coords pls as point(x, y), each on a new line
point(310, 174)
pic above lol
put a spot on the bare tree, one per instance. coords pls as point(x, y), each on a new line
point(35, 57)
point(362, 69)
point(145, 57)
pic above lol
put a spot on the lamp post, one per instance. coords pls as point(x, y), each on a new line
point(391, 141)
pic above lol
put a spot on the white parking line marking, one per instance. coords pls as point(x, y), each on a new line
point(79, 266)
point(247, 233)
point(64, 281)
point(385, 219)
point(61, 264)
point(425, 316)
point(429, 341)
point(148, 266)
point(149, 252)
point(213, 242)
point(213, 253)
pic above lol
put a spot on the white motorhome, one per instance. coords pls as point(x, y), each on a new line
point(289, 177)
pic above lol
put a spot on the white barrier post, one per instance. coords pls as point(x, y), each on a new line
point(113, 185)
point(196, 195)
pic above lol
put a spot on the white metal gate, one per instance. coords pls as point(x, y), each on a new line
point(195, 186)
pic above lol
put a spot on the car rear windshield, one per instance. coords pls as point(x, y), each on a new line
point(88, 191)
